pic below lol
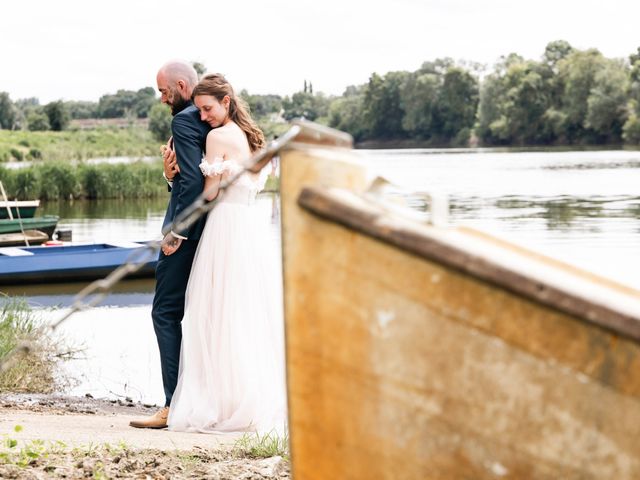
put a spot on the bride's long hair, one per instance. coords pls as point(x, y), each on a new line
point(215, 85)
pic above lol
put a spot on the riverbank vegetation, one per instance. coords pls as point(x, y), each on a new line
point(66, 180)
point(34, 371)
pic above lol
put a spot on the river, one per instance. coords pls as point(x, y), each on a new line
point(580, 206)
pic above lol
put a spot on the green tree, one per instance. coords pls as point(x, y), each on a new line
point(262, 105)
point(383, 109)
point(306, 105)
point(58, 115)
point(556, 51)
point(199, 68)
point(127, 103)
point(607, 103)
point(419, 99)
point(577, 75)
point(160, 122)
point(513, 103)
point(24, 106)
point(145, 100)
point(345, 112)
point(37, 121)
point(457, 103)
point(631, 128)
point(82, 109)
point(7, 112)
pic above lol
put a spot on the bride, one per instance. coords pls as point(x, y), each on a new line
point(231, 375)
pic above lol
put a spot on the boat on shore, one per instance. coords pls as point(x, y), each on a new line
point(75, 262)
point(28, 238)
point(46, 224)
point(419, 350)
point(19, 208)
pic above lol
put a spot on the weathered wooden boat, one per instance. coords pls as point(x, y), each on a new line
point(421, 351)
point(44, 264)
point(46, 224)
point(28, 238)
point(19, 208)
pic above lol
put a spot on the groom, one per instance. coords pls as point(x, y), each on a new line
point(176, 80)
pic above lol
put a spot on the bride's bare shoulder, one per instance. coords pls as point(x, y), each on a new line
point(221, 136)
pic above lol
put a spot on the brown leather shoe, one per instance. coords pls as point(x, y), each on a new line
point(157, 420)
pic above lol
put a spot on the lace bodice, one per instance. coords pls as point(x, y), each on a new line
point(245, 188)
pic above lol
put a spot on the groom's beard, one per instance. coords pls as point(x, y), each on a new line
point(178, 105)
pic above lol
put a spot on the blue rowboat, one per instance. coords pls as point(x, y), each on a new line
point(44, 264)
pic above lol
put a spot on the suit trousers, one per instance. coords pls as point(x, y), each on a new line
point(172, 276)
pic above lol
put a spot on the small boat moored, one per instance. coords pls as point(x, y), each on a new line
point(28, 238)
point(44, 264)
point(19, 208)
point(46, 224)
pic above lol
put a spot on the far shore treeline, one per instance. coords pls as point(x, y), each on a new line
point(569, 97)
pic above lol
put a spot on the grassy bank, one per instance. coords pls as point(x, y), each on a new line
point(58, 173)
point(76, 144)
point(36, 370)
point(135, 141)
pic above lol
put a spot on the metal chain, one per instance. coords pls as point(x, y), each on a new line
point(96, 291)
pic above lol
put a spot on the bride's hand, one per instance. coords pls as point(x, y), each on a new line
point(170, 244)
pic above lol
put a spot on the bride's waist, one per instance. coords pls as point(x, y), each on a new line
point(241, 197)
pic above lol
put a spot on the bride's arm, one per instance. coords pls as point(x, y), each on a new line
point(216, 148)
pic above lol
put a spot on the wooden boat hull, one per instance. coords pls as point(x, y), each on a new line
point(19, 209)
point(47, 264)
point(34, 237)
point(413, 355)
point(46, 224)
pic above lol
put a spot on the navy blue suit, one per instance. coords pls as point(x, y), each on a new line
point(172, 272)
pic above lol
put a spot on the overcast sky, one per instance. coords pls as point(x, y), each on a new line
point(83, 49)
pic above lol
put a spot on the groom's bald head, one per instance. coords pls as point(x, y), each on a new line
point(176, 80)
point(179, 70)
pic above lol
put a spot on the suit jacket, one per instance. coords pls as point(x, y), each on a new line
point(189, 138)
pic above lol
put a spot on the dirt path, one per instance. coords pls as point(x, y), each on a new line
point(98, 441)
point(81, 429)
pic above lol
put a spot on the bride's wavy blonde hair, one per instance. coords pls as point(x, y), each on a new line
point(215, 85)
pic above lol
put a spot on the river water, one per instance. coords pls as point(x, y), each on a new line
point(580, 206)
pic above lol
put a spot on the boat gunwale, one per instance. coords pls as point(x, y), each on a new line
point(331, 204)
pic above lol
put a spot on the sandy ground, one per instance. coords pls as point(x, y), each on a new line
point(81, 421)
point(86, 424)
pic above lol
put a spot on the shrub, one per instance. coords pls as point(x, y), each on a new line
point(17, 154)
point(34, 371)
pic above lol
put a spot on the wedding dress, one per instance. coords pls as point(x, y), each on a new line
point(231, 375)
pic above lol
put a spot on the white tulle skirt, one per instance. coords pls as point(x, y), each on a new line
point(232, 358)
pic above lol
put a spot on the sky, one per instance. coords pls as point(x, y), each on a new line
point(83, 49)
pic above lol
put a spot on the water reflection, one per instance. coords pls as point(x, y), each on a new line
point(138, 208)
point(125, 293)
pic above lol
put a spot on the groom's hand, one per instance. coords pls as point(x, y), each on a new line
point(170, 244)
point(169, 161)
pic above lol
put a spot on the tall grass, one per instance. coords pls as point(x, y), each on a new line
point(64, 180)
point(263, 445)
point(36, 370)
